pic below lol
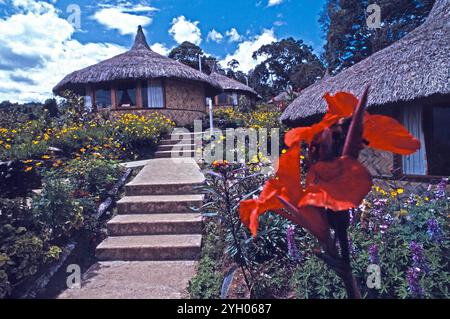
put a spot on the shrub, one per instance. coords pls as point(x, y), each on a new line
point(23, 250)
point(55, 210)
point(407, 236)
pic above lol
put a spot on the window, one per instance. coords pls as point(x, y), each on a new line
point(415, 164)
point(103, 99)
point(153, 94)
point(437, 133)
point(126, 95)
point(223, 99)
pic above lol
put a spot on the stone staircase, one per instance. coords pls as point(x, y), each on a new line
point(154, 241)
point(155, 220)
point(179, 145)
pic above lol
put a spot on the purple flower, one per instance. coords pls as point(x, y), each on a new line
point(418, 259)
point(434, 230)
point(440, 191)
point(292, 246)
point(373, 254)
point(413, 278)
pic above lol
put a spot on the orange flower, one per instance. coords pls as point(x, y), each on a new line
point(381, 132)
point(333, 182)
point(338, 185)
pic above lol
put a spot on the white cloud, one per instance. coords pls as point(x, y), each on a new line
point(160, 48)
point(245, 50)
point(274, 3)
point(185, 30)
point(120, 19)
point(233, 35)
point(215, 36)
point(37, 51)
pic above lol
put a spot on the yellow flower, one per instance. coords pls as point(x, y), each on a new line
point(393, 194)
point(82, 150)
point(45, 157)
point(39, 164)
point(27, 161)
point(283, 151)
point(28, 168)
point(35, 142)
point(400, 190)
point(426, 199)
point(402, 212)
point(7, 146)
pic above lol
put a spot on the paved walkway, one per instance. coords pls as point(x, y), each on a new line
point(154, 241)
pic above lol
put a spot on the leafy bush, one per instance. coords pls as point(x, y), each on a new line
point(407, 236)
point(55, 210)
point(262, 117)
point(23, 250)
point(227, 184)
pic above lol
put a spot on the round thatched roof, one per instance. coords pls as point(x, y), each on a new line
point(139, 63)
point(231, 85)
point(414, 67)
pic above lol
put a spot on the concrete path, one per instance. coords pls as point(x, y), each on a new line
point(154, 240)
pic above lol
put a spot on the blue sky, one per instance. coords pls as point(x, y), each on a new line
point(40, 41)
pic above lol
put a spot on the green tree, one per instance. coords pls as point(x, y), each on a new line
point(350, 40)
point(284, 59)
point(189, 54)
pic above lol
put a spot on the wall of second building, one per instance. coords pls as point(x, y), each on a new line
point(185, 95)
point(185, 101)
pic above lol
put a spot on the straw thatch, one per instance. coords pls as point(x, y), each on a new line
point(231, 85)
point(415, 67)
point(139, 63)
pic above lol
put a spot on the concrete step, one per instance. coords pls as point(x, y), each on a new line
point(155, 224)
point(153, 247)
point(159, 204)
point(168, 142)
point(162, 189)
point(166, 177)
point(135, 280)
point(174, 154)
point(184, 147)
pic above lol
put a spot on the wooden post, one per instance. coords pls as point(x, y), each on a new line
point(139, 95)
point(113, 97)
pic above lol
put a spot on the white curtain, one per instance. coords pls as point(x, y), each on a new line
point(88, 103)
point(234, 98)
point(415, 164)
point(155, 94)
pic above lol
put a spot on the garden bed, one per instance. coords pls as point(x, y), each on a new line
point(73, 159)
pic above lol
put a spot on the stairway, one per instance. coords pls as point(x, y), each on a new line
point(155, 220)
point(179, 145)
point(154, 241)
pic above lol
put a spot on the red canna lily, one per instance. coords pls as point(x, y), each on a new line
point(335, 181)
point(337, 185)
point(381, 132)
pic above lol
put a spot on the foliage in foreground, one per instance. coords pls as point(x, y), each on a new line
point(33, 236)
point(406, 234)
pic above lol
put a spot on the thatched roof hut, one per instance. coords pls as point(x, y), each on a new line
point(230, 85)
point(413, 68)
point(143, 79)
point(232, 89)
point(139, 63)
point(410, 80)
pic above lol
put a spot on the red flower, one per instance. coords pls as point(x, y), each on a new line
point(337, 183)
point(381, 132)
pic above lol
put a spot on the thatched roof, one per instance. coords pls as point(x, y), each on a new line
point(414, 67)
point(283, 96)
point(231, 85)
point(139, 63)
